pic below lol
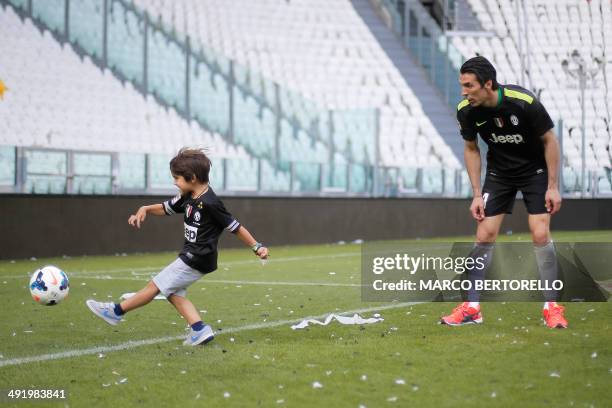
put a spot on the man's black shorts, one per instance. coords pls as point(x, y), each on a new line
point(499, 193)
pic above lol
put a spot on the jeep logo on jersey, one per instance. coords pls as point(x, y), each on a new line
point(498, 122)
point(516, 139)
point(191, 233)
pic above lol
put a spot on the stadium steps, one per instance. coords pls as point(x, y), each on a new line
point(434, 106)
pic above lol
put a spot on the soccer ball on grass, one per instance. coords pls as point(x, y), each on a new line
point(49, 285)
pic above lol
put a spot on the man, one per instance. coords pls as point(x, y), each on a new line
point(523, 154)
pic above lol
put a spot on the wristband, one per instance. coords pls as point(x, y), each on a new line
point(256, 247)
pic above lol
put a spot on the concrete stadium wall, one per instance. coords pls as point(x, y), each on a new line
point(44, 226)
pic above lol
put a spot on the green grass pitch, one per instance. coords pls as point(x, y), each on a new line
point(257, 360)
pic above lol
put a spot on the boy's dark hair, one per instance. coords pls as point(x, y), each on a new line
point(190, 163)
point(482, 68)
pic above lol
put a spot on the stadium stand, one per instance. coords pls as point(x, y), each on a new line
point(323, 51)
point(308, 148)
point(67, 102)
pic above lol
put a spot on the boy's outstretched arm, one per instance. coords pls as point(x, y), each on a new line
point(245, 236)
point(136, 219)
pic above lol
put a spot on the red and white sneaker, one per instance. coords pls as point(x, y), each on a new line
point(553, 316)
point(463, 314)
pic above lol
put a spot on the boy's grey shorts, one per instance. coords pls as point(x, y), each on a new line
point(176, 278)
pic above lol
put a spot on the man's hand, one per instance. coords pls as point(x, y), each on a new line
point(553, 200)
point(262, 253)
point(136, 219)
point(477, 208)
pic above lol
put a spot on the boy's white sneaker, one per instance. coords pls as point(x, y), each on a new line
point(105, 311)
point(196, 337)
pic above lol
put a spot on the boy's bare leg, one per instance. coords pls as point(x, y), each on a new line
point(185, 308)
point(141, 298)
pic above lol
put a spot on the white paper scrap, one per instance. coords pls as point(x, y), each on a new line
point(355, 319)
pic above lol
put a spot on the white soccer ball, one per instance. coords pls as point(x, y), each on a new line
point(49, 285)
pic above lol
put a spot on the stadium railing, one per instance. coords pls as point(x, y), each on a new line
point(35, 170)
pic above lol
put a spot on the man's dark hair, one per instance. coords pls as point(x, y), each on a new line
point(190, 163)
point(482, 68)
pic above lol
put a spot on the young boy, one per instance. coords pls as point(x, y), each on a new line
point(204, 220)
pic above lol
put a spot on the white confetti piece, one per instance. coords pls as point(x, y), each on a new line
point(317, 384)
point(332, 273)
point(122, 381)
point(415, 387)
point(594, 355)
point(28, 331)
point(493, 394)
point(183, 372)
point(555, 374)
point(328, 373)
point(392, 399)
point(101, 355)
point(364, 377)
point(226, 394)
point(232, 339)
point(546, 343)
point(256, 357)
point(106, 385)
point(197, 396)
point(280, 401)
point(400, 381)
point(116, 373)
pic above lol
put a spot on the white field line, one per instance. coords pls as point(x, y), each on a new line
point(236, 282)
point(272, 260)
point(146, 342)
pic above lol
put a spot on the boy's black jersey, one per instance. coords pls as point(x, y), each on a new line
point(204, 220)
point(513, 131)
